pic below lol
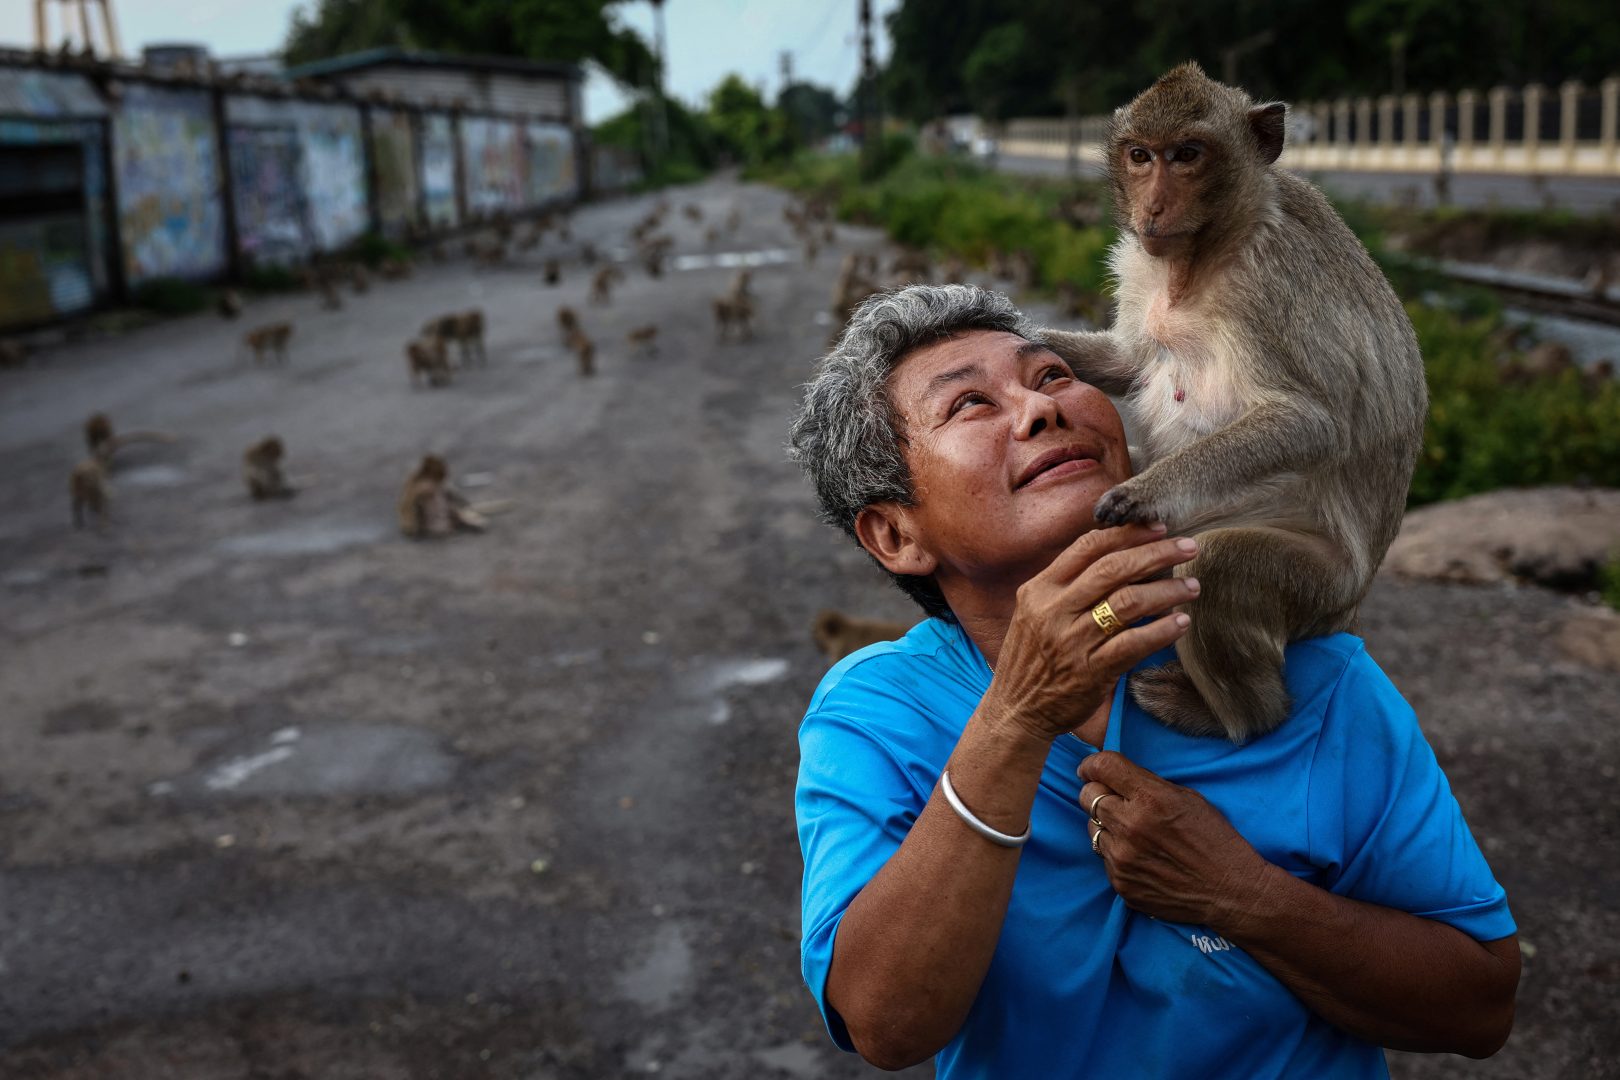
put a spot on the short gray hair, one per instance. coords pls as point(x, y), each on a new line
point(848, 437)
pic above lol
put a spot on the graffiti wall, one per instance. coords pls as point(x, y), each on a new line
point(393, 153)
point(55, 251)
point(328, 201)
point(271, 225)
point(334, 174)
point(438, 148)
point(496, 164)
point(170, 217)
point(551, 163)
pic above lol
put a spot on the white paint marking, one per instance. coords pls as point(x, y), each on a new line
point(234, 772)
point(729, 260)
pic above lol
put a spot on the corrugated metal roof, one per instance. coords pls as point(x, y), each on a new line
point(45, 95)
point(351, 62)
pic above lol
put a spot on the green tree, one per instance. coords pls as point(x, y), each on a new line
point(812, 112)
point(569, 31)
point(342, 26)
point(747, 129)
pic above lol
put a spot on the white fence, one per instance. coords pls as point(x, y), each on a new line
point(1568, 132)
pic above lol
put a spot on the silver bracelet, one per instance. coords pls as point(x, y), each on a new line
point(1001, 838)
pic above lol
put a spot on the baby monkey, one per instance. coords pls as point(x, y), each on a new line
point(428, 360)
point(1274, 383)
point(430, 507)
point(261, 470)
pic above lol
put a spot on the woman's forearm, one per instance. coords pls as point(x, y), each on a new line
point(916, 942)
point(1383, 975)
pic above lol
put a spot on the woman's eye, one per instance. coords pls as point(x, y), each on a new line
point(1053, 373)
point(966, 400)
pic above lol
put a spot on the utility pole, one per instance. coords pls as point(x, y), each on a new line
point(784, 62)
point(660, 115)
point(871, 143)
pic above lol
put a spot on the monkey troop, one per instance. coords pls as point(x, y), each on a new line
point(1275, 384)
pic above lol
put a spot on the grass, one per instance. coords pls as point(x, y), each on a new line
point(1484, 430)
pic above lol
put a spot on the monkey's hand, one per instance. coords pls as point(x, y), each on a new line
point(1130, 503)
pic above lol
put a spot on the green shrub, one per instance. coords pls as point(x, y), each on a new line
point(271, 277)
point(1484, 432)
point(172, 296)
point(373, 248)
point(1609, 581)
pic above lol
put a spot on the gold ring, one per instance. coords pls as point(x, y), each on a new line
point(1106, 620)
point(1096, 842)
point(1094, 802)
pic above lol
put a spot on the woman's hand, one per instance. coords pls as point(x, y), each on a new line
point(1056, 665)
point(1168, 852)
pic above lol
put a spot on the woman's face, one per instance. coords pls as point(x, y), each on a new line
point(1008, 451)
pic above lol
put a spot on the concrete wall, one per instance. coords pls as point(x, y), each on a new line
point(162, 177)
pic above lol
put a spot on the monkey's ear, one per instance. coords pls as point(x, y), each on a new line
point(1266, 121)
point(884, 530)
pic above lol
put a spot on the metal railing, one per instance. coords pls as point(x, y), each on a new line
point(1530, 130)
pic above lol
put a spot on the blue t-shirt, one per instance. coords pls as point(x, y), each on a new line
point(1346, 794)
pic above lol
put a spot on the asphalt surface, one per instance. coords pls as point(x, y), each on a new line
point(287, 796)
point(1579, 194)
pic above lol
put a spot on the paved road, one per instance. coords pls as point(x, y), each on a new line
point(286, 796)
point(1580, 194)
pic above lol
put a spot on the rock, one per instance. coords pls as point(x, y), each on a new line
point(1592, 639)
point(1553, 536)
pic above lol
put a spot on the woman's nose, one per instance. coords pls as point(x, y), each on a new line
point(1038, 412)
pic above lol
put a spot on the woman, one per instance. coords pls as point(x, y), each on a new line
point(1007, 863)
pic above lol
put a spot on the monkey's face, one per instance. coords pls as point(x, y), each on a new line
point(1165, 184)
point(1179, 153)
point(1008, 452)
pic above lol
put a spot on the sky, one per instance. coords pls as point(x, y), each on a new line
point(707, 39)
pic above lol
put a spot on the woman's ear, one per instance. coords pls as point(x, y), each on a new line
point(884, 530)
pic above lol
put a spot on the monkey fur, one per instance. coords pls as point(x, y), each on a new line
point(837, 635)
point(261, 470)
point(430, 507)
point(270, 339)
point(87, 491)
point(1272, 380)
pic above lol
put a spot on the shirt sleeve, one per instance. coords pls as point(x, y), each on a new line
point(855, 805)
point(1382, 820)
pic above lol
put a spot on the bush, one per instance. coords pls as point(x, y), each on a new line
point(954, 207)
point(172, 296)
point(1484, 432)
point(271, 277)
point(1609, 581)
point(373, 249)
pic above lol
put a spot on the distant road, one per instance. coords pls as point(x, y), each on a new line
point(1581, 195)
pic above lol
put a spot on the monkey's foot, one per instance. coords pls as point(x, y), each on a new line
point(1169, 694)
point(1126, 504)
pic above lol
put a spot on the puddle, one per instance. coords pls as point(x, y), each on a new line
point(331, 760)
point(663, 972)
point(728, 260)
point(152, 476)
point(304, 540)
